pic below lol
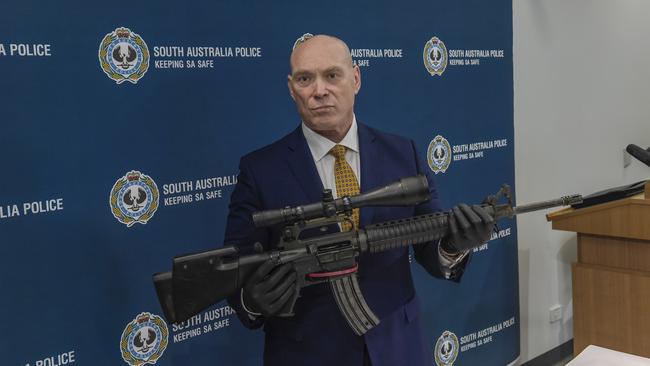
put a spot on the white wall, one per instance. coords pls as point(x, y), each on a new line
point(582, 93)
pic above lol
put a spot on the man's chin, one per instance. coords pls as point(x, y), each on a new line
point(324, 119)
point(322, 124)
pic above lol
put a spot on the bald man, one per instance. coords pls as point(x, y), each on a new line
point(294, 170)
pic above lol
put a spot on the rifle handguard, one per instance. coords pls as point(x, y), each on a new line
point(404, 232)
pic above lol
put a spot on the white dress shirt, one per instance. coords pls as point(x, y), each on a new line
point(320, 147)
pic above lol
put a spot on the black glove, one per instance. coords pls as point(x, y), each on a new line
point(469, 227)
point(269, 288)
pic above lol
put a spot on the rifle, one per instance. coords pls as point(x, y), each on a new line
point(200, 280)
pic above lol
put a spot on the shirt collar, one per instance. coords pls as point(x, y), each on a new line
point(320, 145)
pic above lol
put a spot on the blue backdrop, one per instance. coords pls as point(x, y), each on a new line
point(201, 84)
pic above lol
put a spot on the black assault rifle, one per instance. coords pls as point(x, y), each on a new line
point(200, 280)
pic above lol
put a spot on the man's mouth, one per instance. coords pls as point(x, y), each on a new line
point(323, 108)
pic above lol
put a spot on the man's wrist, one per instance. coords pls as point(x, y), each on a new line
point(251, 314)
point(449, 258)
point(448, 249)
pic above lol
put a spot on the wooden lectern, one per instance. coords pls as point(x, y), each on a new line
point(611, 280)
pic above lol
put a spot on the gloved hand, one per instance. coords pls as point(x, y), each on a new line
point(269, 288)
point(469, 227)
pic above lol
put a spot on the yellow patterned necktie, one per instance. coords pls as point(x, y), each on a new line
point(346, 182)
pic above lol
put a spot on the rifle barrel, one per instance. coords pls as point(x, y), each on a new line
point(563, 201)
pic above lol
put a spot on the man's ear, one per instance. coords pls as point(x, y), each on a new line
point(357, 78)
point(290, 88)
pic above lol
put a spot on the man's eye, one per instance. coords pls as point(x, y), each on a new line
point(333, 76)
point(303, 79)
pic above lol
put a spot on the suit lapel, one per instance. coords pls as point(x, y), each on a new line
point(302, 166)
point(369, 163)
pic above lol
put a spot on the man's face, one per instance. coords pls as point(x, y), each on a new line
point(323, 83)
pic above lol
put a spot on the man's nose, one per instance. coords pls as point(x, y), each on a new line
point(320, 88)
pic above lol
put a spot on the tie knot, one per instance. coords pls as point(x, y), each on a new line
point(338, 152)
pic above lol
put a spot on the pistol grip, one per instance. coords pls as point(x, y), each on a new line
point(287, 309)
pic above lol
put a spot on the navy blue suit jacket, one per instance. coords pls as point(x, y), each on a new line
point(284, 174)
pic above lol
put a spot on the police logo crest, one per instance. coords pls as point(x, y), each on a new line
point(446, 349)
point(124, 56)
point(134, 198)
point(435, 56)
point(439, 154)
point(144, 340)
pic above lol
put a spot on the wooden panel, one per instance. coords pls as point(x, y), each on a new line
point(611, 308)
point(627, 218)
point(614, 252)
